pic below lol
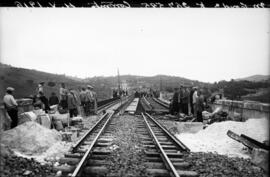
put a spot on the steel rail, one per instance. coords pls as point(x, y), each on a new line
point(180, 144)
point(80, 141)
point(161, 103)
point(83, 161)
point(107, 105)
point(156, 105)
point(147, 103)
point(165, 158)
point(74, 147)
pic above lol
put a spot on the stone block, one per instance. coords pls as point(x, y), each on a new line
point(260, 157)
point(189, 127)
point(66, 136)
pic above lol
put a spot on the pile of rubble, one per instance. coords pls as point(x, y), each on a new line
point(211, 164)
point(30, 138)
point(18, 166)
point(42, 136)
point(12, 165)
point(37, 143)
point(214, 138)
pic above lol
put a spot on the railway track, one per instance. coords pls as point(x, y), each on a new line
point(105, 104)
point(151, 105)
point(169, 150)
point(93, 143)
point(162, 152)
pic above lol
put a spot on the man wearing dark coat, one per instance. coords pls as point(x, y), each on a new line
point(185, 100)
point(175, 104)
point(53, 100)
point(180, 99)
point(45, 101)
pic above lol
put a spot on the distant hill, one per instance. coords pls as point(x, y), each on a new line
point(256, 78)
point(25, 82)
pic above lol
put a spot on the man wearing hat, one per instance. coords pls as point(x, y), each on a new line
point(11, 106)
point(90, 99)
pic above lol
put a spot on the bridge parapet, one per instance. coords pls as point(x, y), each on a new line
point(243, 110)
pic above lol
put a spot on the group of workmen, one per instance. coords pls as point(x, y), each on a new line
point(87, 98)
point(189, 101)
point(70, 100)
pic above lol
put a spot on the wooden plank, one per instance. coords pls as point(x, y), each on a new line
point(242, 140)
point(257, 143)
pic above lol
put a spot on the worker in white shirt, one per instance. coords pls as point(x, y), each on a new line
point(11, 106)
point(194, 100)
point(40, 87)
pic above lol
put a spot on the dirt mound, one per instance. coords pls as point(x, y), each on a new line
point(30, 138)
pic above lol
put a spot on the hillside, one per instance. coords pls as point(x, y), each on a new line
point(25, 82)
point(256, 78)
point(244, 90)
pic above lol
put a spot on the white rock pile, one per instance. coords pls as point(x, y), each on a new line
point(30, 138)
point(214, 138)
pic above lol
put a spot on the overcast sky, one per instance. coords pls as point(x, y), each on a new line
point(202, 44)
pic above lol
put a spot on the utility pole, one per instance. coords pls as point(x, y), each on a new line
point(119, 86)
point(160, 86)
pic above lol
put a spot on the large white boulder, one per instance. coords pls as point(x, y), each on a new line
point(30, 138)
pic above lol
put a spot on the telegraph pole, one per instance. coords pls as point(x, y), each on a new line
point(119, 87)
